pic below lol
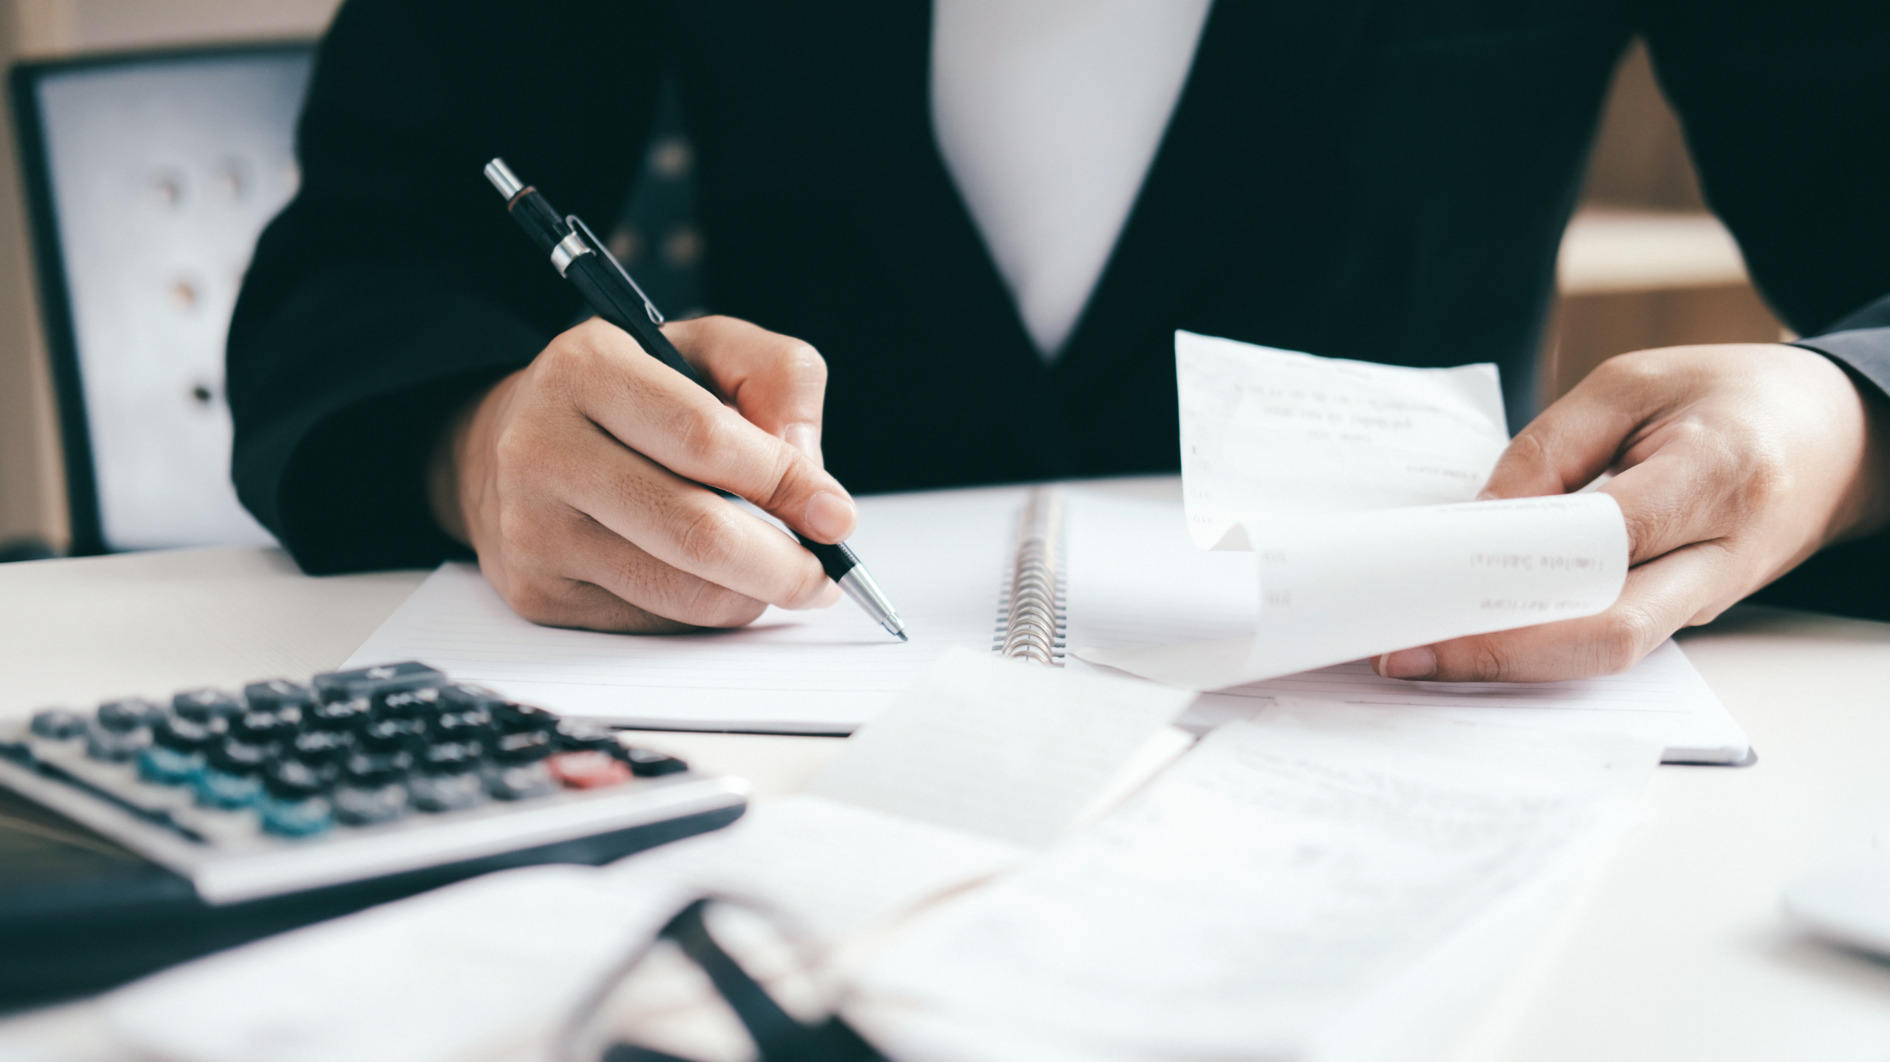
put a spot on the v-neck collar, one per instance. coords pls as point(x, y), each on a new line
point(1263, 73)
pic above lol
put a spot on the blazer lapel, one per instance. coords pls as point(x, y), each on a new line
point(910, 215)
point(1264, 75)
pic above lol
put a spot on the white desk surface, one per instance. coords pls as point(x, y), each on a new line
point(1676, 952)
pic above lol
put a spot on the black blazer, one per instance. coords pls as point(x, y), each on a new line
point(1385, 180)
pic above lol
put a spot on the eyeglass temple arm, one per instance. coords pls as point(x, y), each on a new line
point(777, 1035)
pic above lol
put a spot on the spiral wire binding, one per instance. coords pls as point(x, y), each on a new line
point(1032, 621)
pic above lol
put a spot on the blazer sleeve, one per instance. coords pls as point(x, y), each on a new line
point(394, 287)
point(1783, 106)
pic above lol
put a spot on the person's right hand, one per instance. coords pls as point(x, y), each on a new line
point(577, 480)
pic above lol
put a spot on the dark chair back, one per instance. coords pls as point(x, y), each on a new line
point(149, 177)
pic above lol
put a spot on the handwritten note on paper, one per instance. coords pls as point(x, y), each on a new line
point(1320, 466)
point(1290, 881)
point(1275, 432)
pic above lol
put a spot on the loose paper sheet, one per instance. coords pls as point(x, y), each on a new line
point(469, 970)
point(1000, 748)
point(1281, 877)
point(448, 975)
point(1662, 700)
point(1320, 466)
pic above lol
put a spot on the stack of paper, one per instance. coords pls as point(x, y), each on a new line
point(1345, 884)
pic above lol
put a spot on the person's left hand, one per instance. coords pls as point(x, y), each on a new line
point(1732, 464)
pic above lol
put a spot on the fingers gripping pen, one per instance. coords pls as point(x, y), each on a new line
point(583, 260)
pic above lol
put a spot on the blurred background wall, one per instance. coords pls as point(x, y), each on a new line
point(32, 492)
point(1644, 264)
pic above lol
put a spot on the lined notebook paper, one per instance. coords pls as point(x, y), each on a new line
point(942, 558)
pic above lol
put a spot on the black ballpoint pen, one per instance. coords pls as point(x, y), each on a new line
point(584, 261)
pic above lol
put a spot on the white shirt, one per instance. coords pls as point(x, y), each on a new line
point(1048, 114)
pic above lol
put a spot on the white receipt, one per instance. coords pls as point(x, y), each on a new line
point(1338, 587)
point(1272, 432)
point(1319, 467)
point(1287, 887)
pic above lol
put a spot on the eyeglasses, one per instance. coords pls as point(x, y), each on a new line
point(723, 980)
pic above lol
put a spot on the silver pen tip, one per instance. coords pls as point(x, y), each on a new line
point(902, 636)
point(503, 179)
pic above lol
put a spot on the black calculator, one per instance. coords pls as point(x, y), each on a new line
point(356, 775)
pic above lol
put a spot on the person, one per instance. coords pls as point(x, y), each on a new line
point(950, 244)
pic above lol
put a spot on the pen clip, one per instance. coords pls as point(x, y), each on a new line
point(597, 247)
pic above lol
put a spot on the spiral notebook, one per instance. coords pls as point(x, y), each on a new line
point(984, 568)
point(1037, 572)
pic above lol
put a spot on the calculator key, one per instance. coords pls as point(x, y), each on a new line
point(452, 757)
point(337, 715)
point(446, 792)
point(128, 714)
point(370, 769)
point(116, 746)
point(522, 782)
point(296, 818)
point(525, 746)
point(218, 789)
point(368, 681)
point(646, 763)
point(182, 735)
point(587, 770)
point(58, 724)
point(573, 735)
point(168, 766)
point(292, 780)
point(406, 704)
point(393, 735)
point(321, 747)
point(470, 724)
point(277, 694)
point(232, 756)
point(206, 705)
point(267, 727)
point(517, 717)
point(357, 806)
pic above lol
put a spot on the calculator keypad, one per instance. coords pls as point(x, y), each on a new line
point(350, 750)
